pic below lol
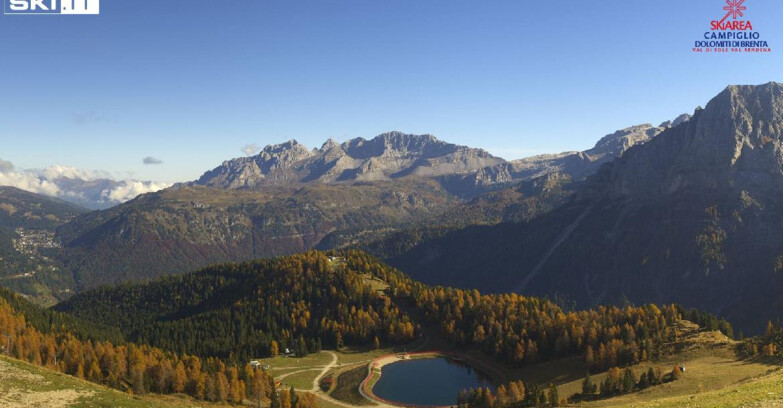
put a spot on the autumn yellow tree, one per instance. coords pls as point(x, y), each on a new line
point(180, 378)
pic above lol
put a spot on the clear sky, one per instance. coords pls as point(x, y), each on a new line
point(190, 82)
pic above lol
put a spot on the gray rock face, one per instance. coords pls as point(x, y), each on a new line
point(735, 141)
point(694, 216)
point(464, 171)
point(579, 165)
point(388, 156)
point(679, 120)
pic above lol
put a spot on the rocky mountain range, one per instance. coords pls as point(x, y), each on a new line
point(289, 199)
point(581, 164)
point(693, 216)
point(461, 170)
point(386, 157)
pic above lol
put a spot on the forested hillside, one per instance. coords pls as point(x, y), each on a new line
point(134, 368)
point(524, 330)
point(692, 217)
point(304, 302)
point(49, 321)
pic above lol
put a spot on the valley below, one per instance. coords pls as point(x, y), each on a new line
point(407, 271)
point(716, 372)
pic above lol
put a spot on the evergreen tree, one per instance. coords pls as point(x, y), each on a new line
point(274, 401)
point(294, 398)
point(587, 384)
point(651, 377)
point(554, 399)
point(644, 382)
point(301, 347)
point(629, 380)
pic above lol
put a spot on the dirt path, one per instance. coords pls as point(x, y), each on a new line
point(320, 394)
point(323, 372)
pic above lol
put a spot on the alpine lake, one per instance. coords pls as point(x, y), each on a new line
point(433, 381)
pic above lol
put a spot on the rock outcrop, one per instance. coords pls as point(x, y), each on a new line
point(464, 171)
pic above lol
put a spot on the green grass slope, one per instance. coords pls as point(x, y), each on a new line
point(24, 385)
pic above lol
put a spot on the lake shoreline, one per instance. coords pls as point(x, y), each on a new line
point(375, 367)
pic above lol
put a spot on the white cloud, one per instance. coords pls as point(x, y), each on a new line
point(130, 189)
point(29, 182)
point(250, 149)
point(57, 171)
point(90, 188)
point(151, 160)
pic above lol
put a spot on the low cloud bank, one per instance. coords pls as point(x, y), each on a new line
point(91, 189)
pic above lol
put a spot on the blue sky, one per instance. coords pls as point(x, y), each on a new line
point(191, 82)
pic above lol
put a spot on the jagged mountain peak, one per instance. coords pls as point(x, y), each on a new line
point(396, 143)
point(386, 156)
point(579, 165)
point(329, 144)
point(693, 216)
point(618, 142)
point(397, 137)
point(281, 147)
point(733, 142)
point(679, 120)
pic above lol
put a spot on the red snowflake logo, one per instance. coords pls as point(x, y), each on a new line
point(734, 9)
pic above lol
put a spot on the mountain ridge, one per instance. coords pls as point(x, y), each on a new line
point(463, 171)
point(693, 217)
point(385, 157)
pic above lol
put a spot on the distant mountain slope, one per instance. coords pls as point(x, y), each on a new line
point(19, 208)
point(186, 228)
point(29, 250)
point(693, 216)
point(289, 199)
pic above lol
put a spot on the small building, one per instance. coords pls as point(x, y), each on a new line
point(255, 364)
